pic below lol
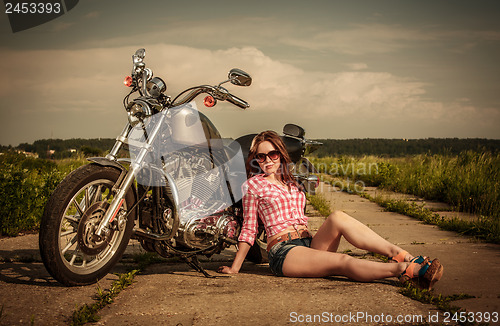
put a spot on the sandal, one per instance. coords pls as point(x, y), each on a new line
point(400, 257)
point(430, 272)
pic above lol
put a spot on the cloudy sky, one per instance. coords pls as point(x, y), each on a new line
point(340, 69)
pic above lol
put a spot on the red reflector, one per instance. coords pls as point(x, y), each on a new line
point(209, 101)
point(128, 81)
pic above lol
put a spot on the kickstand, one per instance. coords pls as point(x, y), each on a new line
point(195, 263)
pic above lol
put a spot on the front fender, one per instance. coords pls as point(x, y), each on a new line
point(102, 161)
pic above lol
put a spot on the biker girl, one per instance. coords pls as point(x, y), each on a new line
point(272, 195)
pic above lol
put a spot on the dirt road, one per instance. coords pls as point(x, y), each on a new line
point(173, 294)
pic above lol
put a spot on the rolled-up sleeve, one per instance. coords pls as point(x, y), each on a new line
point(250, 215)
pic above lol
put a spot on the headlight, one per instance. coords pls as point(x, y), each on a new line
point(137, 111)
point(156, 86)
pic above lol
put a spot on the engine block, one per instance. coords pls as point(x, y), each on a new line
point(204, 232)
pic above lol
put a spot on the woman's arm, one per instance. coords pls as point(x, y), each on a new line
point(242, 252)
point(246, 238)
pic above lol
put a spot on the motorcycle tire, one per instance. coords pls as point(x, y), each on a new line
point(70, 251)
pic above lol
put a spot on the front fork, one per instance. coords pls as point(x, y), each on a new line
point(116, 203)
point(135, 166)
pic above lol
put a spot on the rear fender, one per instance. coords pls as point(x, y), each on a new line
point(309, 166)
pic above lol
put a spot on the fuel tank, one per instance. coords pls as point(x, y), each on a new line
point(190, 127)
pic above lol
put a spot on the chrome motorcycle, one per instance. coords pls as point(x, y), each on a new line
point(170, 181)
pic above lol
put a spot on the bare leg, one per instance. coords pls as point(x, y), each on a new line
point(308, 262)
point(340, 224)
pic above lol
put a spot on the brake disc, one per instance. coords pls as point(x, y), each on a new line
point(88, 242)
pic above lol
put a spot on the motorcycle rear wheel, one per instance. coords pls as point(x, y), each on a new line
point(70, 251)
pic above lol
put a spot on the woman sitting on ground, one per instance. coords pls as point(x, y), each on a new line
point(273, 194)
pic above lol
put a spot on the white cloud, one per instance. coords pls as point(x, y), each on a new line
point(93, 14)
point(57, 27)
point(66, 84)
point(362, 39)
point(357, 65)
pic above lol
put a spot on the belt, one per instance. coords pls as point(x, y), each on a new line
point(289, 236)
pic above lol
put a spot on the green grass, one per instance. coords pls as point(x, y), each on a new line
point(88, 313)
point(143, 260)
point(483, 227)
point(320, 204)
point(443, 303)
point(469, 181)
point(25, 186)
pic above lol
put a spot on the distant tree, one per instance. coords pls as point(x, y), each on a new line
point(90, 151)
point(402, 147)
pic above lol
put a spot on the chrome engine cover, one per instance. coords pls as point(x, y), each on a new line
point(204, 232)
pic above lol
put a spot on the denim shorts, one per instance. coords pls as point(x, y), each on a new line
point(279, 251)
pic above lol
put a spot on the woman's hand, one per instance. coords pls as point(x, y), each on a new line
point(226, 270)
point(243, 248)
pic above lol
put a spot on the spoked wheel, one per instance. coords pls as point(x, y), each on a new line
point(71, 251)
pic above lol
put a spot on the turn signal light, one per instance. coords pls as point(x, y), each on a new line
point(128, 81)
point(209, 101)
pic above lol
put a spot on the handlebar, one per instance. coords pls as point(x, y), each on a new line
point(237, 101)
point(217, 92)
point(143, 75)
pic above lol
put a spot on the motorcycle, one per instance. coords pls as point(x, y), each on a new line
point(177, 189)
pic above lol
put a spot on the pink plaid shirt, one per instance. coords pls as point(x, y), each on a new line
point(276, 207)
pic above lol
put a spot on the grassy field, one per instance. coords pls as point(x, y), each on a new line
point(25, 186)
point(469, 181)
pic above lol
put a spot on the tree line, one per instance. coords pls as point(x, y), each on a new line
point(62, 148)
point(404, 147)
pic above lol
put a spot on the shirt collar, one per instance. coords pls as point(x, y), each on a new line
point(261, 176)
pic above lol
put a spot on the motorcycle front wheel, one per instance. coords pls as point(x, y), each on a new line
point(70, 250)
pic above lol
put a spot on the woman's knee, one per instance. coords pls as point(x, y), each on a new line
point(338, 217)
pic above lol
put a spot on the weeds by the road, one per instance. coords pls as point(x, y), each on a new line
point(408, 289)
point(88, 313)
point(484, 228)
point(143, 260)
point(468, 181)
point(320, 204)
point(441, 302)
point(26, 184)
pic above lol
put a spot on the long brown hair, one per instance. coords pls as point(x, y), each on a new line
point(253, 168)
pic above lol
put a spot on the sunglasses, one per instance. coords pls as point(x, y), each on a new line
point(273, 155)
